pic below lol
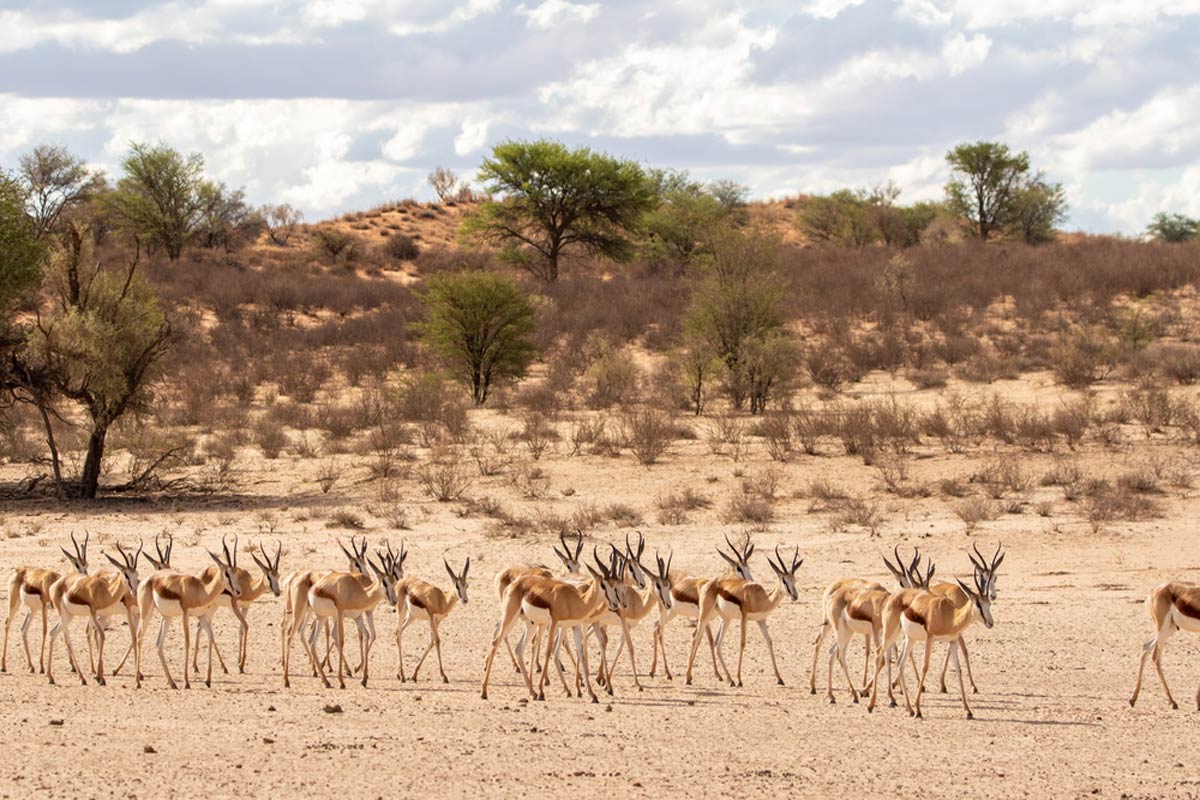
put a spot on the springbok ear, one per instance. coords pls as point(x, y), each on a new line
point(593, 572)
point(466, 567)
point(449, 571)
point(216, 558)
point(970, 592)
point(728, 560)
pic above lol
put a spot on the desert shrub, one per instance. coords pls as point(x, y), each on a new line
point(537, 433)
point(427, 400)
point(301, 382)
point(1072, 419)
point(345, 518)
point(530, 480)
point(674, 506)
point(270, 437)
point(777, 430)
point(750, 509)
point(953, 487)
point(612, 378)
point(1003, 474)
point(490, 452)
point(334, 242)
point(860, 511)
point(931, 377)
point(808, 427)
point(829, 367)
point(973, 510)
point(444, 477)
point(401, 247)
point(623, 515)
point(765, 484)
point(727, 435)
point(648, 434)
point(1179, 362)
point(1034, 429)
point(328, 475)
point(855, 427)
point(824, 494)
point(1083, 356)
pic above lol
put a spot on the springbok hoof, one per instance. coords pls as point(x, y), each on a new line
point(483, 695)
point(918, 715)
point(970, 715)
point(1174, 706)
point(832, 700)
point(1131, 702)
point(595, 699)
point(445, 679)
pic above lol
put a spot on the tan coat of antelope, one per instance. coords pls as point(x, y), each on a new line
point(94, 597)
point(1173, 606)
point(252, 589)
point(930, 616)
point(425, 601)
point(175, 595)
point(30, 587)
point(353, 595)
point(746, 601)
point(556, 604)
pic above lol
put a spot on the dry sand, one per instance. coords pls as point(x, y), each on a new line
point(1055, 673)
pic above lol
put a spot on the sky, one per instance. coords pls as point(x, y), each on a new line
point(338, 105)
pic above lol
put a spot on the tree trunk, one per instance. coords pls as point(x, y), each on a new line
point(89, 481)
point(50, 442)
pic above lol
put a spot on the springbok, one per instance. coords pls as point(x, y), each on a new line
point(252, 589)
point(176, 595)
point(837, 592)
point(94, 597)
point(296, 611)
point(641, 599)
point(988, 568)
point(1173, 606)
point(30, 587)
point(425, 601)
point(735, 598)
point(929, 616)
point(556, 604)
point(569, 556)
point(353, 595)
point(685, 602)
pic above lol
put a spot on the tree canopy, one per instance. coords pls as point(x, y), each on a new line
point(554, 200)
point(480, 324)
point(986, 176)
point(162, 197)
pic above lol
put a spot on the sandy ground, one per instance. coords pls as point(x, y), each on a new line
point(1054, 674)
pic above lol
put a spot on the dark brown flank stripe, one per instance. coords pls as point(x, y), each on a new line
point(1188, 604)
point(537, 601)
point(686, 596)
point(32, 588)
point(859, 614)
point(913, 616)
point(168, 593)
point(726, 595)
point(416, 601)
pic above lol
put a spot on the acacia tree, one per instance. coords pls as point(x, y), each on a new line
point(98, 341)
point(55, 183)
point(736, 304)
point(481, 325)
point(161, 199)
point(986, 176)
point(1038, 206)
point(554, 200)
point(21, 249)
point(1173, 228)
point(281, 222)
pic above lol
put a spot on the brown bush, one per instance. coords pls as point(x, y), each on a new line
point(401, 248)
point(270, 437)
point(648, 434)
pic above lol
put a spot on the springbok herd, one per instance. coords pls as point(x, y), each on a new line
point(619, 591)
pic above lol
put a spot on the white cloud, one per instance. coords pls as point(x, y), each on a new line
point(961, 54)
point(698, 84)
point(1165, 128)
point(829, 9)
point(550, 13)
point(472, 136)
